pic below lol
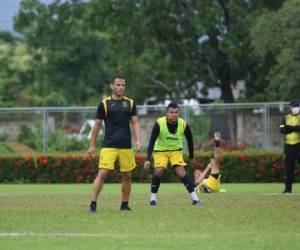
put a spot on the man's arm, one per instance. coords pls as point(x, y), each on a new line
point(95, 132)
point(200, 177)
point(215, 162)
point(190, 142)
point(293, 128)
point(217, 154)
point(286, 129)
point(153, 137)
point(137, 132)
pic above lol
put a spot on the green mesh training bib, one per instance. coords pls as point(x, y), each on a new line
point(166, 140)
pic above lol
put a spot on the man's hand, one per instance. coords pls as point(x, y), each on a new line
point(92, 151)
point(138, 146)
point(147, 165)
point(193, 163)
point(288, 129)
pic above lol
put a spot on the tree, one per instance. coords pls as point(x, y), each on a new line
point(275, 38)
point(70, 61)
point(167, 47)
point(16, 71)
point(164, 48)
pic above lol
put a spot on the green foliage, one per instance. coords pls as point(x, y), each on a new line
point(60, 142)
point(16, 67)
point(275, 38)
point(5, 148)
point(3, 137)
point(29, 137)
point(57, 141)
point(69, 50)
point(201, 124)
point(178, 44)
point(70, 62)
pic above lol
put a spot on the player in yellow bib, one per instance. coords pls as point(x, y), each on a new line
point(212, 183)
point(290, 127)
point(167, 143)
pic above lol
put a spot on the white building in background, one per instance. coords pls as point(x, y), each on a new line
point(213, 93)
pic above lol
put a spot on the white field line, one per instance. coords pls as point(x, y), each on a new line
point(57, 234)
point(281, 194)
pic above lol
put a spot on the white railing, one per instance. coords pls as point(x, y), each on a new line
point(256, 124)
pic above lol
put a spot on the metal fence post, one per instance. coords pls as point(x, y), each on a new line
point(44, 130)
point(268, 126)
point(265, 130)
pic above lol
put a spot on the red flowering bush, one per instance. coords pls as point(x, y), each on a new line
point(226, 145)
point(236, 166)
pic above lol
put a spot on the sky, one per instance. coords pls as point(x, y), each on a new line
point(8, 9)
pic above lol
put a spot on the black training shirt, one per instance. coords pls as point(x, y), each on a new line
point(116, 116)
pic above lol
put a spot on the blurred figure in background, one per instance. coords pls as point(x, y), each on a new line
point(290, 127)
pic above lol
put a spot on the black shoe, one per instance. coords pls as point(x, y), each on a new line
point(125, 208)
point(152, 203)
point(196, 203)
point(287, 191)
point(93, 207)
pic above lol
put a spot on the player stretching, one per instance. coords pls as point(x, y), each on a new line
point(213, 182)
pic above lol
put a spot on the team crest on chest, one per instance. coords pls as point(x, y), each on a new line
point(124, 104)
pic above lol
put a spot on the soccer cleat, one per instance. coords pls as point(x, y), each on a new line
point(152, 203)
point(196, 203)
point(287, 191)
point(125, 208)
point(93, 207)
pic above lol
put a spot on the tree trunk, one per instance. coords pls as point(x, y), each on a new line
point(227, 93)
point(227, 96)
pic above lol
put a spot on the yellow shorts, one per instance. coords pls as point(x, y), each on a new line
point(125, 156)
point(162, 159)
point(210, 185)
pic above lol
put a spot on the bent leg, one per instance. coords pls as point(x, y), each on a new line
point(188, 183)
point(185, 179)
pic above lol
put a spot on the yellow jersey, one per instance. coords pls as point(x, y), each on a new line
point(210, 185)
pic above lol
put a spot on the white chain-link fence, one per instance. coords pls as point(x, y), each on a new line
point(63, 129)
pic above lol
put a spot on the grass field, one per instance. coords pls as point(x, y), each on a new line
point(247, 216)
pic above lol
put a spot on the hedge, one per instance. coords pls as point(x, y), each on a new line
point(238, 167)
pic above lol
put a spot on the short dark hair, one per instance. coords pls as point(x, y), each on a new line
point(172, 105)
point(117, 77)
point(294, 103)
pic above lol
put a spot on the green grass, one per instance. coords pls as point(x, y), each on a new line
point(247, 216)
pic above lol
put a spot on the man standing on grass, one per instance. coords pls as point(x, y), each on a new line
point(167, 142)
point(290, 127)
point(117, 112)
